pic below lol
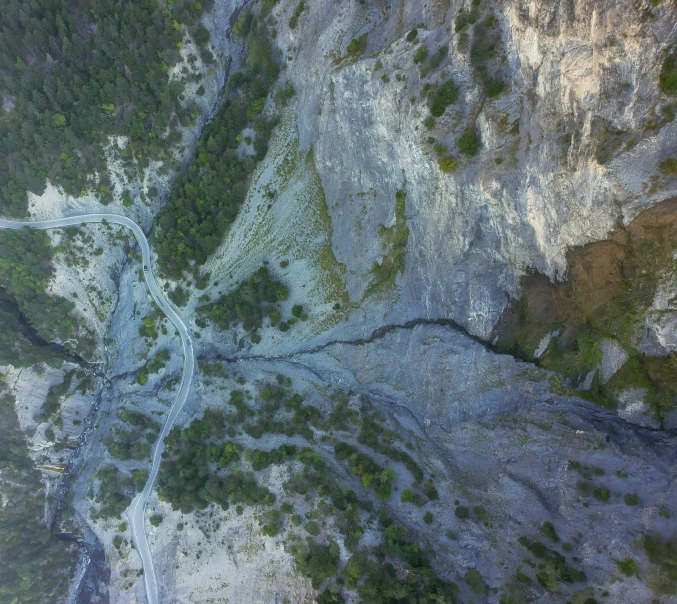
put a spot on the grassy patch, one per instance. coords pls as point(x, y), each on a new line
point(394, 240)
point(667, 80)
point(355, 49)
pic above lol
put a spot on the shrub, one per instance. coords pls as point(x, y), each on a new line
point(270, 529)
point(468, 144)
point(667, 81)
point(313, 528)
point(446, 94)
point(286, 508)
point(155, 519)
point(447, 164)
point(548, 529)
point(242, 25)
point(318, 562)
point(297, 310)
point(494, 88)
point(668, 166)
point(428, 517)
point(631, 499)
point(430, 491)
point(628, 567)
point(409, 496)
point(436, 59)
point(429, 122)
point(481, 513)
point(462, 512)
point(420, 54)
point(475, 581)
point(411, 36)
point(520, 577)
point(547, 579)
point(294, 19)
point(201, 36)
point(586, 489)
point(358, 46)
point(355, 569)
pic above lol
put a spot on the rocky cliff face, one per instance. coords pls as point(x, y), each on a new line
point(410, 229)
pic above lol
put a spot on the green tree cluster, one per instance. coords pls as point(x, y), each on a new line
point(25, 270)
point(249, 303)
point(445, 95)
point(76, 72)
point(115, 491)
point(206, 198)
point(28, 548)
point(132, 443)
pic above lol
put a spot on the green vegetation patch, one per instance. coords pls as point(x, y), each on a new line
point(445, 95)
point(421, 54)
point(206, 464)
point(115, 491)
point(394, 241)
point(253, 300)
point(294, 19)
point(468, 143)
point(54, 395)
point(357, 46)
point(71, 90)
point(667, 81)
point(155, 365)
point(207, 197)
point(25, 270)
point(554, 567)
point(486, 49)
point(188, 477)
point(662, 553)
point(134, 443)
point(36, 566)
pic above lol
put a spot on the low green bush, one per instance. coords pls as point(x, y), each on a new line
point(667, 81)
point(447, 164)
point(548, 529)
point(421, 54)
point(445, 95)
point(156, 519)
point(468, 143)
point(628, 567)
point(462, 512)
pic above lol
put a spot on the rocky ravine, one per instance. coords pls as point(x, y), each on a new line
point(569, 150)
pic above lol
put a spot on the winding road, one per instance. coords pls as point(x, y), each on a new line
point(136, 512)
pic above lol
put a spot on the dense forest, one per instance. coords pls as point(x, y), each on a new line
point(25, 270)
point(35, 567)
point(207, 197)
point(74, 72)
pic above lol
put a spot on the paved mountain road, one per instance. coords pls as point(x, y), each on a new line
point(136, 511)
